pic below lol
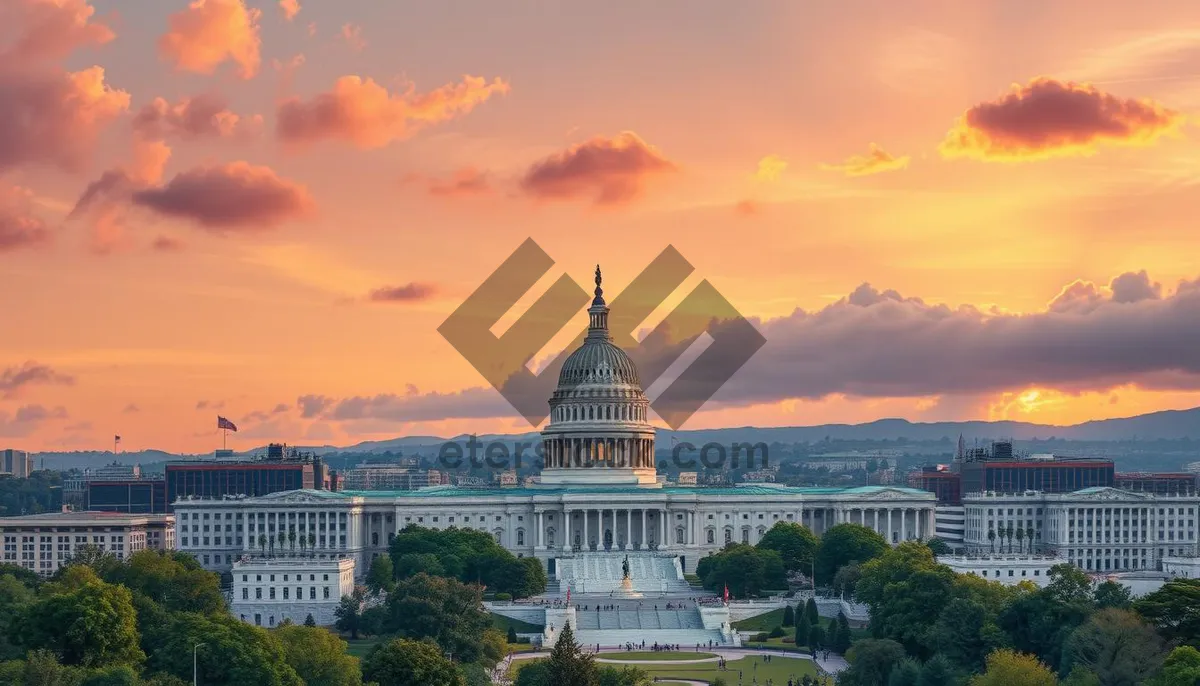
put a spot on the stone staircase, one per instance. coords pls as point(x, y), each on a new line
point(686, 638)
point(600, 573)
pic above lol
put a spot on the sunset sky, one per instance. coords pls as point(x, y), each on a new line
point(264, 210)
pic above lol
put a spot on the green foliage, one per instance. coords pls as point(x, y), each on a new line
point(843, 544)
point(622, 676)
point(937, 546)
point(846, 579)
point(1081, 676)
point(1174, 610)
point(841, 642)
point(907, 673)
point(568, 666)
point(349, 613)
point(89, 623)
point(810, 611)
point(118, 675)
point(233, 652)
point(318, 656)
point(900, 587)
point(444, 610)
point(777, 632)
point(380, 576)
point(871, 662)
point(789, 616)
point(512, 635)
point(816, 637)
point(745, 569)
point(1039, 622)
point(802, 631)
point(1117, 647)
point(1112, 594)
point(1008, 668)
point(42, 668)
point(309, 620)
point(535, 674)
point(174, 580)
point(795, 543)
point(467, 555)
point(403, 662)
point(41, 492)
point(492, 648)
point(937, 671)
point(1181, 668)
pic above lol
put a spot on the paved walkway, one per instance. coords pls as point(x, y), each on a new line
point(833, 665)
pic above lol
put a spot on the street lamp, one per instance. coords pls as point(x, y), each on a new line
point(195, 648)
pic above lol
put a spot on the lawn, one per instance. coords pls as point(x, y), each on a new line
point(359, 647)
point(779, 670)
point(521, 627)
point(652, 655)
point(765, 622)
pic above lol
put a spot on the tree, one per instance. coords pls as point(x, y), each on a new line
point(841, 644)
point(907, 673)
point(1021, 539)
point(811, 612)
point(795, 543)
point(1008, 532)
point(816, 637)
point(1008, 668)
point(234, 652)
point(42, 668)
point(1181, 668)
point(900, 587)
point(1112, 594)
point(310, 620)
point(379, 577)
point(349, 613)
point(1117, 647)
point(847, 578)
point(1029, 537)
point(92, 556)
point(1039, 622)
point(937, 671)
point(802, 631)
point(444, 610)
point(318, 656)
point(401, 662)
point(174, 580)
point(871, 662)
point(90, 625)
point(493, 647)
point(1081, 676)
point(567, 665)
point(937, 546)
point(535, 674)
point(511, 637)
point(965, 634)
point(789, 616)
point(412, 564)
point(312, 543)
point(991, 535)
point(262, 543)
point(744, 569)
point(845, 543)
point(1174, 610)
point(291, 535)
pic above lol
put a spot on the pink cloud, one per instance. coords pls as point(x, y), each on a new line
point(464, 182)
point(210, 32)
point(105, 202)
point(48, 30)
point(366, 115)
point(19, 227)
point(202, 116)
point(230, 197)
point(609, 170)
point(411, 292)
point(290, 8)
point(352, 34)
point(55, 118)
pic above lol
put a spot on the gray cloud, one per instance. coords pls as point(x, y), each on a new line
point(14, 379)
point(313, 405)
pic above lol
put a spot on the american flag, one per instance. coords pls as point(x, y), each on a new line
point(223, 423)
point(116, 439)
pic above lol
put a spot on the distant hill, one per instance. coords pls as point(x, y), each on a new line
point(1169, 424)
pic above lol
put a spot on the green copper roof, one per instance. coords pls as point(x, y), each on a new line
point(742, 490)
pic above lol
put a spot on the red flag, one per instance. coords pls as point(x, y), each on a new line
point(223, 423)
point(726, 593)
point(568, 595)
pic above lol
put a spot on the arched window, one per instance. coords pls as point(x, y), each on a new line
point(710, 536)
point(550, 538)
point(608, 411)
point(374, 538)
point(591, 412)
point(520, 537)
point(728, 536)
point(497, 534)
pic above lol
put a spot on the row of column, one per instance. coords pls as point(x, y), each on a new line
point(606, 452)
point(302, 523)
point(883, 520)
point(658, 535)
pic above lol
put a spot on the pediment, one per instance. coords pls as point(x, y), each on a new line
point(296, 497)
point(1113, 494)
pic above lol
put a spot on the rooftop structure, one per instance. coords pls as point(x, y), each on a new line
point(45, 542)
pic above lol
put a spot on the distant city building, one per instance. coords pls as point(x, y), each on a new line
point(45, 542)
point(1159, 483)
point(686, 479)
point(506, 478)
point(17, 463)
point(940, 481)
point(282, 469)
point(267, 591)
point(1006, 569)
point(144, 496)
point(1095, 529)
point(113, 472)
point(389, 477)
point(1000, 469)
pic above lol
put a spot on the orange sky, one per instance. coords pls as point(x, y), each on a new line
point(225, 206)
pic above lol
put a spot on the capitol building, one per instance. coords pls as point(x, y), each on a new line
point(598, 499)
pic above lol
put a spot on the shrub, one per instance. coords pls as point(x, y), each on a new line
point(760, 637)
point(502, 597)
point(777, 632)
